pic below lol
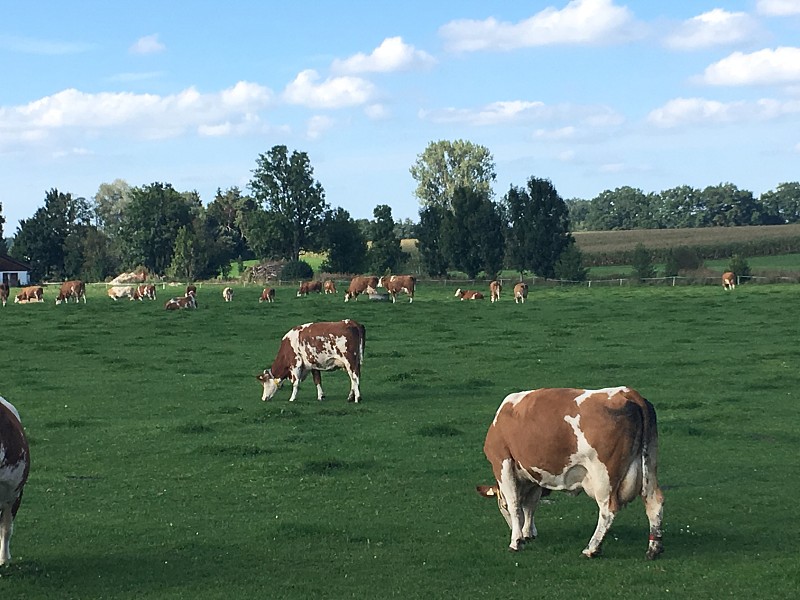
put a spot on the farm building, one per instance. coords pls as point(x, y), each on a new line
point(14, 272)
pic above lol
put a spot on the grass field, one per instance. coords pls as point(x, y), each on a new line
point(158, 472)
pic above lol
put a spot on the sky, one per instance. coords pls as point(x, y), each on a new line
point(591, 94)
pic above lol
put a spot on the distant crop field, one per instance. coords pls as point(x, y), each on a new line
point(157, 472)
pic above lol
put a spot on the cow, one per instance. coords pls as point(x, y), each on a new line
point(520, 292)
point(72, 289)
point(4, 291)
point(359, 285)
point(315, 347)
point(139, 292)
point(191, 290)
point(15, 464)
point(495, 287)
point(728, 280)
point(306, 287)
point(468, 294)
point(395, 284)
point(32, 293)
point(227, 294)
point(268, 295)
point(148, 291)
point(603, 442)
point(329, 287)
point(116, 292)
point(181, 302)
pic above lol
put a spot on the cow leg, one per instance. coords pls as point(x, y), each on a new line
point(509, 488)
point(355, 392)
point(6, 524)
point(604, 521)
point(529, 504)
point(317, 377)
point(654, 506)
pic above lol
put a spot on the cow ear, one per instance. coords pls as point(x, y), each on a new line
point(487, 491)
point(262, 376)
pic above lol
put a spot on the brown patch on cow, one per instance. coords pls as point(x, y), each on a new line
point(12, 438)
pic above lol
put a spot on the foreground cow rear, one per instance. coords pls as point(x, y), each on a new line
point(4, 291)
point(604, 442)
point(316, 347)
point(14, 467)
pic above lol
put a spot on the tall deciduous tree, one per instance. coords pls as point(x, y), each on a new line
point(385, 253)
point(445, 166)
point(228, 214)
point(293, 199)
point(472, 234)
point(109, 205)
point(429, 240)
point(344, 242)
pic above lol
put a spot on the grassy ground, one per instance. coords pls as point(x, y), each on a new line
point(158, 473)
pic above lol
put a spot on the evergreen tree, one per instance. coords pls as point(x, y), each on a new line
point(429, 240)
point(346, 245)
point(642, 263)
point(472, 235)
point(385, 253)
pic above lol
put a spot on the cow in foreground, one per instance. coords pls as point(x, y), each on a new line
point(316, 347)
point(32, 293)
point(227, 294)
point(360, 285)
point(329, 287)
point(603, 442)
point(468, 294)
point(71, 289)
point(15, 464)
point(495, 287)
point(395, 284)
point(181, 302)
point(4, 291)
point(728, 280)
point(267, 295)
point(307, 287)
point(520, 292)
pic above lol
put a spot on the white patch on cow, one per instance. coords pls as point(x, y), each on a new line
point(596, 479)
point(608, 391)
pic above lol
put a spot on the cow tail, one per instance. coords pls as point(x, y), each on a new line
point(649, 450)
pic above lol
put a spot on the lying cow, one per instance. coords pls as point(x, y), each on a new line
point(329, 287)
point(316, 347)
point(468, 294)
point(495, 287)
point(360, 285)
point(307, 287)
point(603, 442)
point(117, 292)
point(520, 292)
point(728, 280)
point(71, 289)
point(15, 464)
point(181, 302)
point(4, 291)
point(227, 294)
point(395, 284)
point(268, 295)
point(32, 293)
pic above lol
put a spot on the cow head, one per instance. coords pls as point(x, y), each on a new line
point(493, 491)
point(270, 383)
point(458, 292)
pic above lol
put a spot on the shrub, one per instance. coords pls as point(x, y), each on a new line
point(296, 270)
point(681, 259)
point(570, 265)
point(739, 265)
point(642, 263)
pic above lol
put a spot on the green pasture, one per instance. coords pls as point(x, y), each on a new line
point(158, 473)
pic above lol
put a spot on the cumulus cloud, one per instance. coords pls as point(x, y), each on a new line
point(148, 44)
point(764, 67)
point(580, 22)
point(713, 28)
point(778, 8)
point(392, 55)
point(695, 111)
point(334, 92)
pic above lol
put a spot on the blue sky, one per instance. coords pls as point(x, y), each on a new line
point(592, 94)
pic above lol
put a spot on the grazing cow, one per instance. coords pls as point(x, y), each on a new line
point(604, 442)
point(329, 287)
point(149, 291)
point(191, 290)
point(181, 302)
point(71, 289)
point(267, 295)
point(520, 292)
point(360, 285)
point(32, 293)
point(306, 287)
point(395, 284)
point(227, 294)
point(15, 464)
point(468, 294)
point(116, 292)
point(728, 280)
point(316, 347)
point(4, 291)
point(495, 287)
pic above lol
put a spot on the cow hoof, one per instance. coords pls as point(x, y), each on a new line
point(653, 553)
point(589, 554)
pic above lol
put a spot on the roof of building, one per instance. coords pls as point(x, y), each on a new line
point(12, 264)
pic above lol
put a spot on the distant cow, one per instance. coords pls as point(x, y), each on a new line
point(32, 293)
point(268, 295)
point(395, 284)
point(227, 294)
point(360, 285)
point(191, 290)
point(181, 302)
point(15, 464)
point(495, 287)
point(148, 292)
point(71, 289)
point(120, 291)
point(603, 442)
point(307, 287)
point(468, 294)
point(520, 292)
point(316, 347)
point(139, 292)
point(4, 291)
point(329, 287)
point(728, 280)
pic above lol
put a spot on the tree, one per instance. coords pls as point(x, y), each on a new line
point(782, 205)
point(623, 208)
point(569, 265)
point(183, 262)
point(292, 198)
point(472, 234)
point(445, 166)
point(228, 215)
point(681, 206)
point(642, 263)
point(727, 205)
point(109, 205)
point(346, 245)
point(739, 266)
point(429, 240)
point(2, 222)
point(385, 253)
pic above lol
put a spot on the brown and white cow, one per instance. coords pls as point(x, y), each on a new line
point(395, 284)
point(181, 302)
point(148, 291)
point(191, 290)
point(4, 291)
point(227, 294)
point(116, 292)
point(495, 287)
point(468, 294)
point(360, 285)
point(71, 289)
point(728, 280)
point(306, 287)
point(603, 442)
point(520, 292)
point(267, 295)
point(315, 347)
point(32, 293)
point(15, 464)
point(329, 287)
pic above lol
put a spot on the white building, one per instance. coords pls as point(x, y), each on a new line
point(14, 272)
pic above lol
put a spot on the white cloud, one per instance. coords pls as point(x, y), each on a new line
point(580, 22)
point(26, 45)
point(72, 152)
point(317, 125)
point(562, 133)
point(392, 55)
point(376, 112)
point(764, 67)
point(130, 77)
point(713, 28)
point(778, 8)
point(334, 92)
point(148, 44)
point(694, 111)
